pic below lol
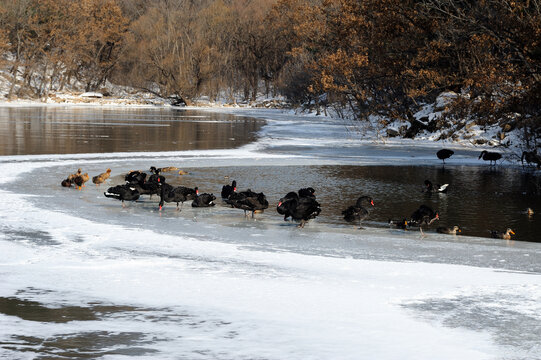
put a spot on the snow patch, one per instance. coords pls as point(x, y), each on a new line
point(91, 94)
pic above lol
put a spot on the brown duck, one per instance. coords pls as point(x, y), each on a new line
point(449, 230)
point(98, 179)
point(502, 235)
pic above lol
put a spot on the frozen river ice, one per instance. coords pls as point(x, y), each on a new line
point(82, 277)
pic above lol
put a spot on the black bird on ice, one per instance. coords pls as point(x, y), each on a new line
point(299, 208)
point(248, 201)
point(423, 216)
point(358, 211)
point(490, 156)
point(444, 154)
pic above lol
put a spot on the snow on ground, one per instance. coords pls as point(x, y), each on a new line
point(120, 284)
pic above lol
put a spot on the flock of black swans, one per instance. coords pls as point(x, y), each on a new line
point(300, 206)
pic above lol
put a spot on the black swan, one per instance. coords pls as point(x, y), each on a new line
point(502, 235)
point(248, 201)
point(490, 156)
point(153, 185)
point(204, 200)
point(137, 179)
point(150, 187)
point(358, 211)
point(235, 196)
point(229, 189)
point(429, 187)
point(531, 157)
point(178, 194)
point(423, 216)
point(449, 230)
point(282, 207)
point(98, 179)
point(444, 154)
point(123, 193)
point(307, 192)
point(156, 177)
point(136, 176)
point(299, 208)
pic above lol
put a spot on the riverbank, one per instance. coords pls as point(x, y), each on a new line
point(507, 141)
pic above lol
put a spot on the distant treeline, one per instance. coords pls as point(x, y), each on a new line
point(375, 57)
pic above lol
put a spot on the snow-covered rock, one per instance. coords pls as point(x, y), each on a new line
point(445, 98)
point(91, 94)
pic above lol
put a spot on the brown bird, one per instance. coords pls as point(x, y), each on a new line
point(399, 224)
point(502, 235)
point(85, 177)
point(98, 179)
point(107, 173)
point(80, 180)
point(71, 177)
point(155, 170)
point(449, 230)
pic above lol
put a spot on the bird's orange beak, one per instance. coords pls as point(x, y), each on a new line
point(280, 203)
point(512, 232)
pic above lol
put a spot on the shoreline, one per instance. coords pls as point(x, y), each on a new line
point(360, 132)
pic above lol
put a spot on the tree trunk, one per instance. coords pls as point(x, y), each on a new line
point(14, 80)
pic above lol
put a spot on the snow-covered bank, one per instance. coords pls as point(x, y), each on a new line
point(291, 128)
point(135, 283)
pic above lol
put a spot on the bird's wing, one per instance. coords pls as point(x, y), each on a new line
point(443, 187)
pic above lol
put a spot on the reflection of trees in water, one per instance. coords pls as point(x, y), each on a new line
point(61, 130)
